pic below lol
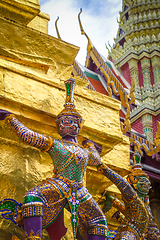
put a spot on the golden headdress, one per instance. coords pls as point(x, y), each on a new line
point(137, 171)
point(69, 107)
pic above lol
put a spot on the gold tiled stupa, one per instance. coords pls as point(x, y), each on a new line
point(32, 67)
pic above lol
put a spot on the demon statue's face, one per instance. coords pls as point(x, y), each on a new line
point(143, 185)
point(68, 126)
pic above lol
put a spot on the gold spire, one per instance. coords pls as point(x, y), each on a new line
point(90, 46)
point(58, 35)
point(119, 22)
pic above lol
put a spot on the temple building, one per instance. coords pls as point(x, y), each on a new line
point(118, 97)
point(136, 53)
point(33, 67)
point(131, 74)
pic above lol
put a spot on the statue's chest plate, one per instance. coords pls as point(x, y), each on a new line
point(64, 153)
point(79, 153)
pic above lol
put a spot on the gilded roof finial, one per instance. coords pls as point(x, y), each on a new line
point(107, 47)
point(90, 46)
point(157, 139)
point(132, 90)
point(119, 22)
point(58, 35)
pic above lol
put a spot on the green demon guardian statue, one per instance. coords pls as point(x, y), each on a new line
point(138, 222)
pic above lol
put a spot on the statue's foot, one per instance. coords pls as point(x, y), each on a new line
point(32, 236)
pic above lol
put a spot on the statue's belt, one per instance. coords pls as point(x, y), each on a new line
point(72, 184)
point(76, 194)
point(66, 186)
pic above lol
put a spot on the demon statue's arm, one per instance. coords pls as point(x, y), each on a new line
point(30, 137)
point(115, 203)
point(124, 187)
point(94, 150)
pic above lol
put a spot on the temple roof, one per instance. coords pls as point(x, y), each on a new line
point(149, 151)
point(138, 29)
point(103, 77)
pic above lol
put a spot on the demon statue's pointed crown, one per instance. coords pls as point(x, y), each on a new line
point(136, 169)
point(69, 107)
point(138, 179)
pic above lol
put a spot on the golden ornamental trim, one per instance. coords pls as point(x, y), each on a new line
point(31, 236)
point(15, 238)
point(8, 118)
point(49, 144)
point(115, 87)
point(157, 139)
point(81, 74)
point(142, 144)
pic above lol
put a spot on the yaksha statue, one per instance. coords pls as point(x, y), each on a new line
point(138, 223)
point(43, 205)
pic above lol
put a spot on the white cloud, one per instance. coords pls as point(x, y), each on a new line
point(99, 22)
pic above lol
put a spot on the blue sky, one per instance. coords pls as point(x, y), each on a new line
point(99, 20)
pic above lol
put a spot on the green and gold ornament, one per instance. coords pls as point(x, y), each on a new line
point(74, 204)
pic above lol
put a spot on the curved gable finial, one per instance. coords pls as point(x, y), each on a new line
point(58, 35)
point(90, 46)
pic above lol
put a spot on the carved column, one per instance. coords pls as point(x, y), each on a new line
point(145, 64)
point(156, 69)
point(147, 126)
point(133, 66)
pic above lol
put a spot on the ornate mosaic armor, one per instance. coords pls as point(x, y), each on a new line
point(66, 188)
point(136, 212)
point(70, 159)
